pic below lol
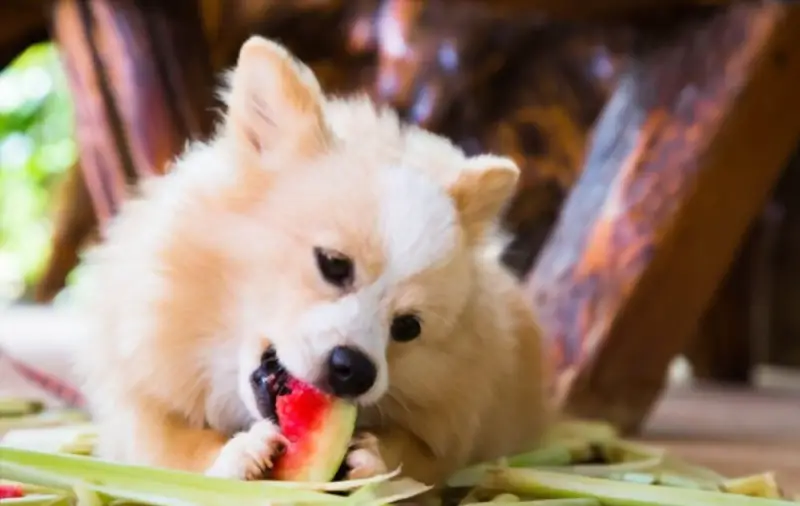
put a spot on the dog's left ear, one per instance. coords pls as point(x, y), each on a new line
point(274, 102)
point(482, 189)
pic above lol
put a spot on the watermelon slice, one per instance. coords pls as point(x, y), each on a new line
point(317, 425)
point(11, 491)
point(319, 428)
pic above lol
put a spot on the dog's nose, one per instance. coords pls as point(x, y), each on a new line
point(350, 371)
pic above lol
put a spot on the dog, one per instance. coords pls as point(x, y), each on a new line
point(357, 248)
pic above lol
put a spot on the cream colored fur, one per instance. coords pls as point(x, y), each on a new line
point(213, 262)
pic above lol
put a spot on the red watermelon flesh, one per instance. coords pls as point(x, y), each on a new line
point(319, 428)
point(11, 491)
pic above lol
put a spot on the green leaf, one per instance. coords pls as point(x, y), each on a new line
point(552, 485)
point(151, 485)
point(38, 500)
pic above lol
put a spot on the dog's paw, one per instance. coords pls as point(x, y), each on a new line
point(364, 458)
point(249, 455)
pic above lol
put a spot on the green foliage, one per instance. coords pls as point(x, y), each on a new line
point(36, 147)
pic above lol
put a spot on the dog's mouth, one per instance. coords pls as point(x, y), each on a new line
point(269, 381)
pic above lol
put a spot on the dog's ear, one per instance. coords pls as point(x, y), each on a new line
point(481, 191)
point(274, 103)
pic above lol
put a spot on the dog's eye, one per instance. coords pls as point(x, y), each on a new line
point(406, 327)
point(337, 269)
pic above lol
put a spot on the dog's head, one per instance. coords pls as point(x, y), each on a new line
point(364, 230)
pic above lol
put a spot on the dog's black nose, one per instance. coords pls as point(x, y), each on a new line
point(350, 371)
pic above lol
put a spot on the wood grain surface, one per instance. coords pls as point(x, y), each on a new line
point(684, 155)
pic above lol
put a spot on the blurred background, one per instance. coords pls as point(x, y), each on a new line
point(656, 229)
point(37, 147)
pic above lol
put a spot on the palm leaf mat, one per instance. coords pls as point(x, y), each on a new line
point(45, 459)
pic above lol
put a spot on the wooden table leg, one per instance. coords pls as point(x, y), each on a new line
point(720, 349)
point(143, 85)
point(684, 155)
point(75, 225)
point(142, 82)
point(782, 286)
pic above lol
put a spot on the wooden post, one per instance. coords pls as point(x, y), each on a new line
point(721, 350)
point(75, 224)
point(782, 346)
point(143, 85)
point(683, 157)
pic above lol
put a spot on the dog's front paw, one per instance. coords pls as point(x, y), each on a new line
point(249, 455)
point(364, 458)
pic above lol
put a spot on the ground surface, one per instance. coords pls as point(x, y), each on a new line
point(735, 432)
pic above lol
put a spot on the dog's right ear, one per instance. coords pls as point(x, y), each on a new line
point(274, 103)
